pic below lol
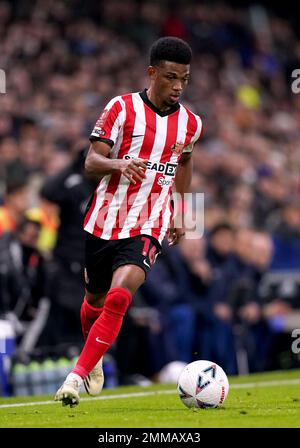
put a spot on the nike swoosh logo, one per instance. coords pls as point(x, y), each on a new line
point(147, 264)
point(134, 136)
point(102, 342)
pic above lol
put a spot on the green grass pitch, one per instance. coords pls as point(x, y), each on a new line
point(267, 400)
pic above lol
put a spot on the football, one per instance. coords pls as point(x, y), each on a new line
point(202, 384)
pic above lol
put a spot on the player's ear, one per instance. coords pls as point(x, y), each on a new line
point(152, 72)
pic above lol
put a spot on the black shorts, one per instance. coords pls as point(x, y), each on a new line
point(103, 257)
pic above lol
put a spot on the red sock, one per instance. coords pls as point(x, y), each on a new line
point(104, 330)
point(88, 315)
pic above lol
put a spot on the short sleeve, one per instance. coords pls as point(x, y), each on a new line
point(198, 133)
point(108, 125)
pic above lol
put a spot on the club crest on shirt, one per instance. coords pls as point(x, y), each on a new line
point(177, 148)
point(98, 130)
point(102, 119)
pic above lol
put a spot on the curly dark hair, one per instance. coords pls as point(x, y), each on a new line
point(170, 49)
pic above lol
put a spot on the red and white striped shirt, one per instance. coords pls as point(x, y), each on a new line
point(134, 127)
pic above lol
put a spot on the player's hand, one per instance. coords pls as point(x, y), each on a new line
point(175, 233)
point(134, 169)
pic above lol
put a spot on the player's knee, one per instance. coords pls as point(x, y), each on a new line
point(96, 300)
point(118, 299)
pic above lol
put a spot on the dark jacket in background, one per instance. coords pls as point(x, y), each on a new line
point(70, 190)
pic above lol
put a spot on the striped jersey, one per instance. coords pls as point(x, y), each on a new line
point(135, 128)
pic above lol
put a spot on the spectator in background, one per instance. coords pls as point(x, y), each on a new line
point(253, 252)
point(283, 290)
point(168, 289)
point(46, 214)
point(217, 339)
point(280, 287)
point(220, 244)
point(11, 166)
point(69, 190)
point(286, 239)
point(22, 276)
point(266, 199)
point(196, 320)
point(177, 287)
point(16, 201)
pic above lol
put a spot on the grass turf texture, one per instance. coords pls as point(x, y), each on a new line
point(266, 400)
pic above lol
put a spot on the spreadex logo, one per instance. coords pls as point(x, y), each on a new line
point(163, 182)
point(168, 169)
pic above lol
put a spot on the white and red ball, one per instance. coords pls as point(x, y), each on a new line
point(202, 384)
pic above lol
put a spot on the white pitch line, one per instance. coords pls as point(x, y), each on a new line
point(158, 392)
point(265, 384)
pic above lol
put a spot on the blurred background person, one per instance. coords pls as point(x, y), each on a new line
point(15, 203)
point(23, 282)
point(70, 191)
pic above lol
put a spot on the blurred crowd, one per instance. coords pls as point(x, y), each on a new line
point(232, 296)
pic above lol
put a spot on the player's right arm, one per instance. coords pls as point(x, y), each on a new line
point(103, 137)
point(98, 163)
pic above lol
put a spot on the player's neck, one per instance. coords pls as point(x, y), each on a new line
point(156, 101)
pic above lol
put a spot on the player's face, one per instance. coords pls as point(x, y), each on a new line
point(169, 79)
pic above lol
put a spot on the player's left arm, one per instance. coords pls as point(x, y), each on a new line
point(184, 172)
point(182, 185)
point(185, 165)
point(183, 180)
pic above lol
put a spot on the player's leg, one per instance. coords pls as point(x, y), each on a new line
point(133, 260)
point(91, 309)
point(125, 282)
point(130, 267)
point(97, 261)
point(68, 393)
